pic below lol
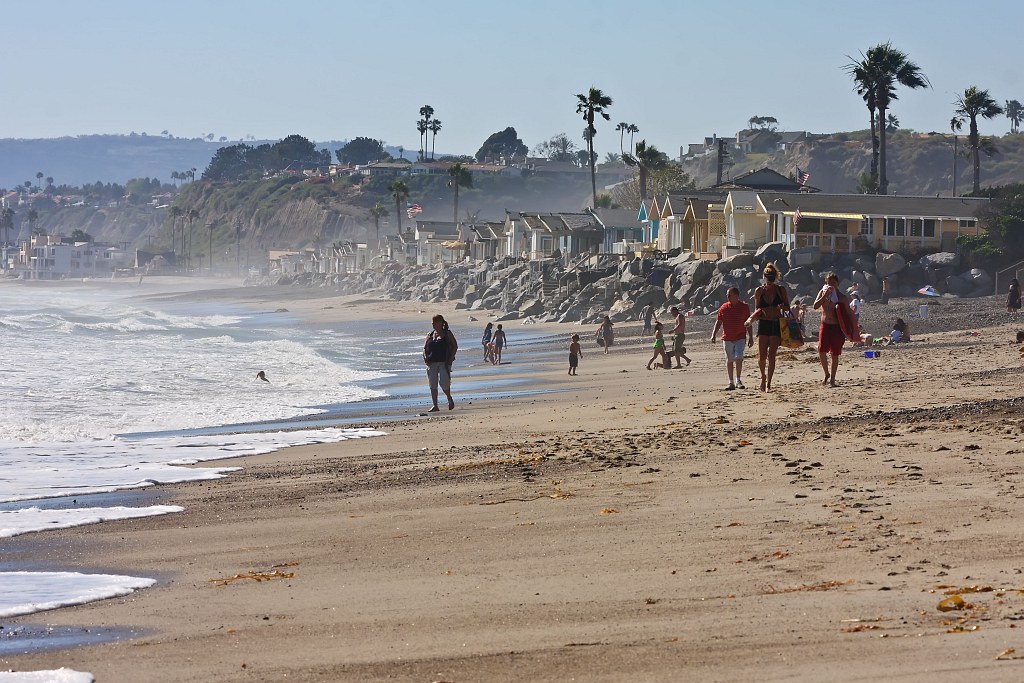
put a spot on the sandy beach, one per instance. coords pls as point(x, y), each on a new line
point(623, 524)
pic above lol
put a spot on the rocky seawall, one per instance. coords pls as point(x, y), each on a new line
point(548, 291)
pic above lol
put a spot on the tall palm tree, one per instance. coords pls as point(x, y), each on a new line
point(888, 68)
point(622, 127)
point(1015, 112)
point(39, 179)
point(427, 113)
point(377, 211)
point(460, 177)
point(7, 224)
point(632, 130)
point(400, 192)
point(590, 105)
point(434, 127)
point(32, 217)
point(972, 104)
point(646, 159)
point(892, 124)
point(421, 126)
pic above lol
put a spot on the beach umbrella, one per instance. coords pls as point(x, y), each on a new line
point(928, 290)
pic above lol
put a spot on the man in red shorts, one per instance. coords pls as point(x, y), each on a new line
point(830, 334)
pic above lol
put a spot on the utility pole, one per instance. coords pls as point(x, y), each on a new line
point(721, 161)
point(210, 226)
point(238, 243)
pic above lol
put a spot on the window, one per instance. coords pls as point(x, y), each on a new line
point(968, 222)
point(832, 226)
point(915, 227)
point(895, 227)
point(929, 227)
point(867, 226)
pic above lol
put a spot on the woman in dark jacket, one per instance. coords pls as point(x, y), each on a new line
point(439, 351)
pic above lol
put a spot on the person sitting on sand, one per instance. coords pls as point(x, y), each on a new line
point(900, 332)
point(262, 375)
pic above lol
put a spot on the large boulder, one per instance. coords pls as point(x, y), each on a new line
point(744, 259)
point(957, 285)
point(799, 275)
point(889, 264)
point(942, 259)
point(769, 251)
point(978, 279)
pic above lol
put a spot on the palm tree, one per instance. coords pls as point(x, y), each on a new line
point(972, 104)
point(434, 127)
point(7, 224)
point(612, 158)
point(632, 129)
point(421, 126)
point(175, 176)
point(32, 217)
point(460, 177)
point(377, 211)
point(39, 179)
point(622, 127)
point(400, 191)
point(889, 67)
point(427, 113)
point(1015, 112)
point(892, 124)
point(646, 159)
point(593, 103)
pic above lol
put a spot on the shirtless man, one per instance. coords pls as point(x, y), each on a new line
point(678, 337)
point(830, 334)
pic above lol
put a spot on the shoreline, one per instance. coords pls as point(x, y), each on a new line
point(633, 523)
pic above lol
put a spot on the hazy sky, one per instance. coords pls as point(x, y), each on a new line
point(332, 70)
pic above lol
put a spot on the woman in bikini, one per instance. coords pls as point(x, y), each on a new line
point(772, 299)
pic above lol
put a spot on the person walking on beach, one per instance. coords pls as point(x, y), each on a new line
point(647, 315)
point(678, 337)
point(499, 343)
point(830, 334)
point(659, 348)
point(731, 319)
point(575, 353)
point(486, 339)
point(605, 334)
point(773, 300)
point(1013, 297)
point(439, 351)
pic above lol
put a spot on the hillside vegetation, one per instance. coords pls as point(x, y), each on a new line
point(918, 164)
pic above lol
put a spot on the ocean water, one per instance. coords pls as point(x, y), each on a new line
point(103, 391)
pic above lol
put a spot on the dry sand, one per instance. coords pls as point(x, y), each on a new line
point(636, 526)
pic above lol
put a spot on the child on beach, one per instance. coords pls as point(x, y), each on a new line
point(575, 352)
point(659, 348)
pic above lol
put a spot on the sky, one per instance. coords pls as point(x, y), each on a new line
point(679, 70)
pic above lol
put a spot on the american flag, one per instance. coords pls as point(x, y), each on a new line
point(802, 176)
point(413, 211)
point(797, 216)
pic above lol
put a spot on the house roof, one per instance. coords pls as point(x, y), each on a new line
point(438, 230)
point(763, 179)
point(618, 218)
point(875, 205)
